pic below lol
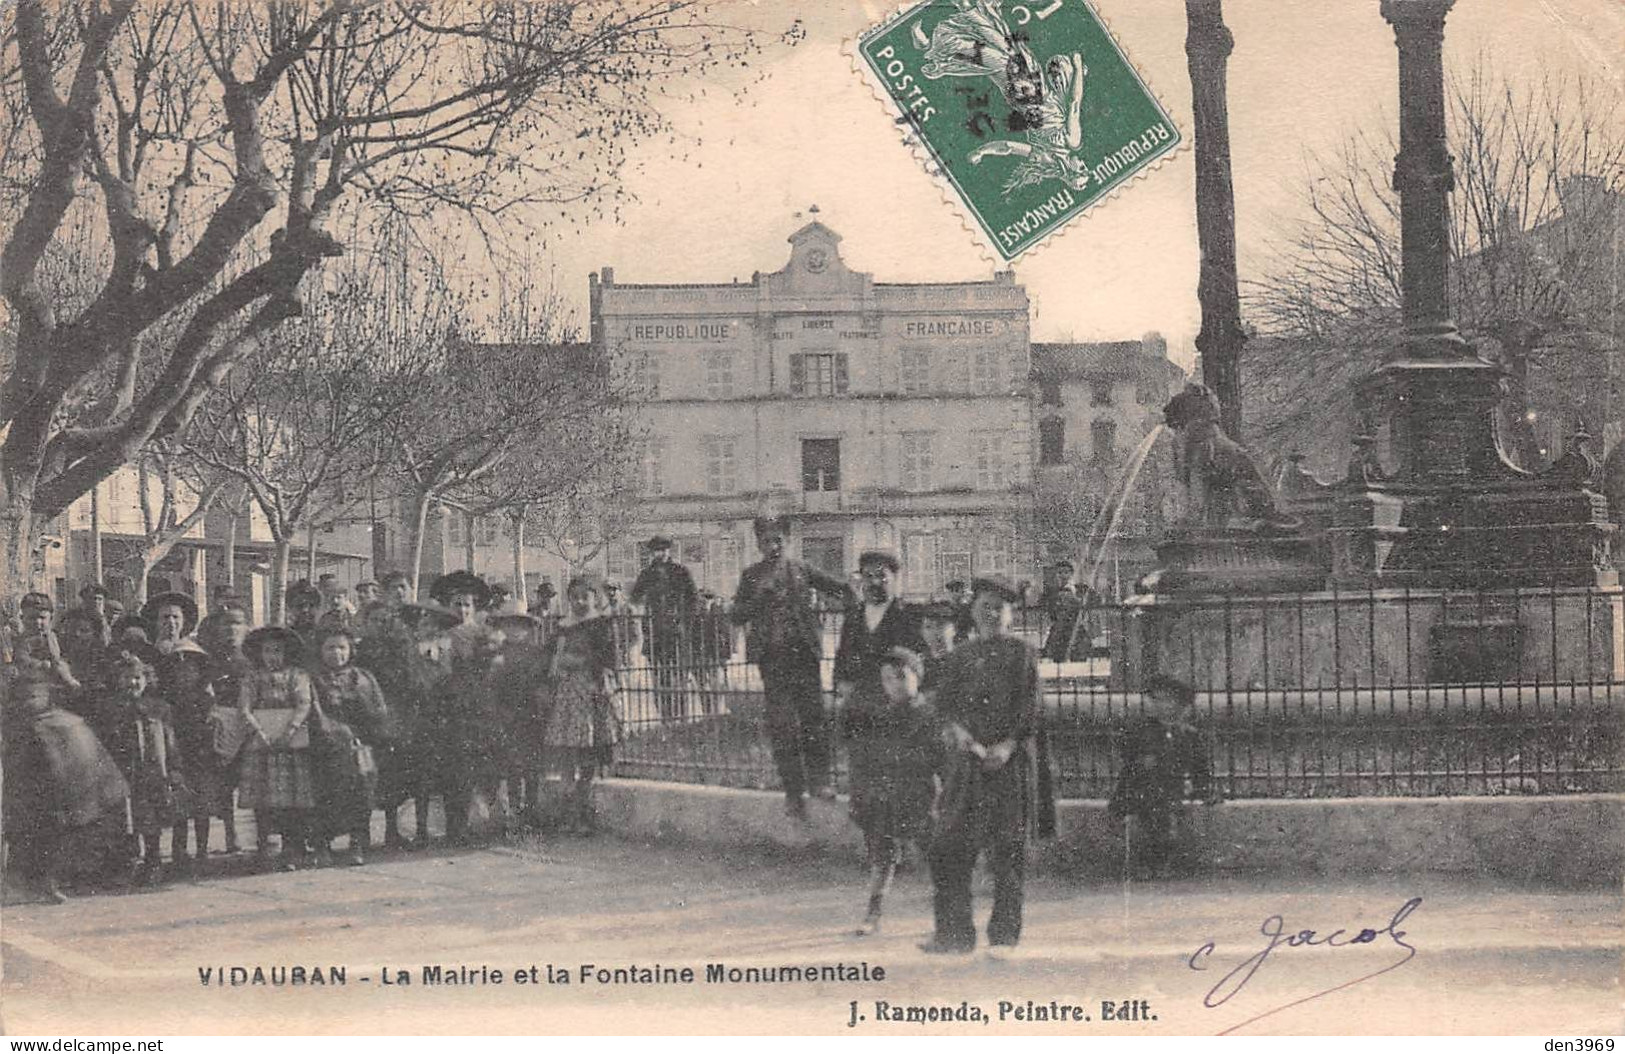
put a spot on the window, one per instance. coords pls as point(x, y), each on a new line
point(988, 457)
point(691, 553)
point(1100, 393)
point(1103, 440)
point(954, 555)
point(993, 554)
point(488, 530)
point(721, 466)
point(1049, 392)
point(646, 375)
point(985, 372)
point(653, 480)
point(820, 374)
point(722, 564)
point(621, 560)
point(820, 464)
point(916, 460)
point(920, 563)
point(1052, 441)
point(719, 374)
point(916, 371)
point(1148, 392)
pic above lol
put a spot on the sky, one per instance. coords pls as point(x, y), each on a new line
point(1303, 76)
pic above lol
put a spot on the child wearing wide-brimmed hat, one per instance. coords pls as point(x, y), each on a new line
point(277, 700)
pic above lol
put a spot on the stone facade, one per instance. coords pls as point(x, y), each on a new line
point(875, 415)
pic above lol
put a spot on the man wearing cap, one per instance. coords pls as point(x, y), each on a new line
point(993, 795)
point(93, 601)
point(873, 626)
point(784, 638)
point(666, 591)
point(1065, 609)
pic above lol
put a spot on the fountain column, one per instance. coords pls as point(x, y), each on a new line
point(1208, 43)
point(1446, 507)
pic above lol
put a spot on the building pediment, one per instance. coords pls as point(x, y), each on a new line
point(815, 268)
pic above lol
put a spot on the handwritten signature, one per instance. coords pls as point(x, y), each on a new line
point(1274, 928)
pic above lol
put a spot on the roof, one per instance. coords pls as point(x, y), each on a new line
point(1098, 359)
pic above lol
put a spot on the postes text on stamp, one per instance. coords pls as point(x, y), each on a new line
point(1030, 109)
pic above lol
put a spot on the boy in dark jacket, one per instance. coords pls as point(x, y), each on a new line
point(1164, 763)
point(894, 751)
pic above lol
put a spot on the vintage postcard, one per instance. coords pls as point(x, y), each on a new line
point(1089, 518)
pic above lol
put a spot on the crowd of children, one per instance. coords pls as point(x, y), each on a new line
point(120, 730)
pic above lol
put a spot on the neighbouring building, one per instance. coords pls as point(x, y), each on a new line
point(874, 414)
point(1093, 405)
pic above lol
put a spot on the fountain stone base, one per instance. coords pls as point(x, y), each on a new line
point(1373, 639)
point(1199, 560)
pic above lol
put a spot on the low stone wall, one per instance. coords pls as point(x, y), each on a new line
point(1571, 840)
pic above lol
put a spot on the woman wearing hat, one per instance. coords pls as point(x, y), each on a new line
point(277, 700)
point(170, 618)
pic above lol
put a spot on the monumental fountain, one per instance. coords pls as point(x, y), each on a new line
point(1435, 560)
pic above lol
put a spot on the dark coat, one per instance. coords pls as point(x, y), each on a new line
point(775, 602)
point(1162, 764)
point(860, 653)
point(991, 688)
point(667, 592)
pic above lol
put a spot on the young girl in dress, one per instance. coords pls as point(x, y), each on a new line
point(277, 700)
point(350, 700)
point(59, 779)
point(583, 728)
point(138, 729)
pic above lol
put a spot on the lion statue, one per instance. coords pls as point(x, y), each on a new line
point(1222, 483)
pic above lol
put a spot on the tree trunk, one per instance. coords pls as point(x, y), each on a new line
point(96, 571)
point(468, 542)
point(17, 523)
point(279, 580)
point(229, 551)
point(420, 522)
point(310, 554)
point(519, 563)
point(143, 564)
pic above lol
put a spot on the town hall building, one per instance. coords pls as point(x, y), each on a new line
point(873, 414)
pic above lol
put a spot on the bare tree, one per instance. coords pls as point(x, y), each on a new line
point(218, 146)
point(307, 424)
point(525, 421)
point(164, 526)
point(1539, 170)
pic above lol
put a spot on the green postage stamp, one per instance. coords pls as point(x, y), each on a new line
point(1030, 109)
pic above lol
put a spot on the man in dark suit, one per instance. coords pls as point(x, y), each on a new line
point(784, 638)
point(877, 623)
point(666, 591)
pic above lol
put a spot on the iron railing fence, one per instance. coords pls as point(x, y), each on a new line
point(1399, 693)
